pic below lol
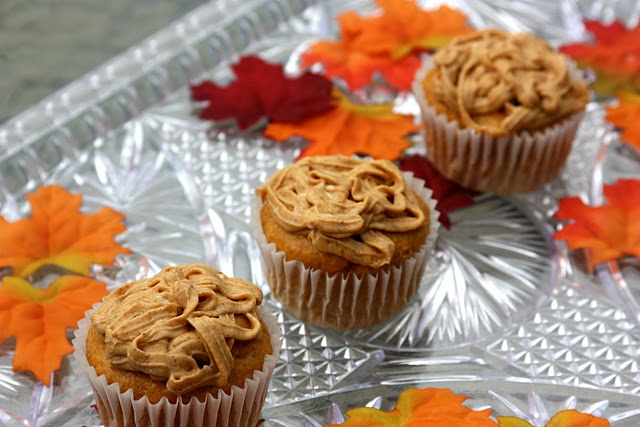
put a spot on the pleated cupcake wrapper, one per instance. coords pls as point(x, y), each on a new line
point(239, 408)
point(345, 301)
point(503, 165)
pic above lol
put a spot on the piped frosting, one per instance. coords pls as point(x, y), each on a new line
point(179, 325)
point(345, 206)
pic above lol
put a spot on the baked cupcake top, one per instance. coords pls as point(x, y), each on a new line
point(499, 83)
point(345, 206)
point(179, 325)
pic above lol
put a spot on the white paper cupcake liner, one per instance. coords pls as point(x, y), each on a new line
point(241, 407)
point(345, 301)
point(503, 165)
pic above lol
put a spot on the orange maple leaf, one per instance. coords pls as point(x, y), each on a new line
point(38, 319)
point(385, 43)
point(58, 233)
point(421, 408)
point(609, 231)
point(350, 62)
point(405, 28)
point(374, 130)
point(626, 116)
point(566, 418)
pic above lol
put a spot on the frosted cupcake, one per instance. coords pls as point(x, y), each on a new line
point(344, 241)
point(500, 110)
point(187, 347)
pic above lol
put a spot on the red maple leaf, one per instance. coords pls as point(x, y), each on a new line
point(262, 91)
point(450, 196)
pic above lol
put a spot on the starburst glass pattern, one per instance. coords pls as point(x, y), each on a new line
point(164, 211)
point(492, 269)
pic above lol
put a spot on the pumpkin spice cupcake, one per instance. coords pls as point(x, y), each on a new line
point(344, 241)
point(187, 347)
point(500, 110)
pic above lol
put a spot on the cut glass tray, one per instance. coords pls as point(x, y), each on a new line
point(504, 312)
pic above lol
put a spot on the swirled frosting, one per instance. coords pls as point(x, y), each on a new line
point(498, 82)
point(179, 325)
point(346, 205)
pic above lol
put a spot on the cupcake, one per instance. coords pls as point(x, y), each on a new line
point(344, 241)
point(500, 110)
point(187, 347)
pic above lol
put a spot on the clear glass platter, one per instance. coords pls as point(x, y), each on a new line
point(502, 306)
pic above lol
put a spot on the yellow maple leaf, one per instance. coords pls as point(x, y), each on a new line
point(58, 233)
point(39, 318)
point(351, 128)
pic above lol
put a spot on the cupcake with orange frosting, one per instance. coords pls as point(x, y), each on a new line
point(187, 347)
point(344, 241)
point(500, 110)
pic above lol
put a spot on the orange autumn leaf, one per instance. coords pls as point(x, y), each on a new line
point(374, 130)
point(566, 418)
point(421, 408)
point(58, 233)
point(610, 231)
point(626, 116)
point(356, 66)
point(405, 28)
point(386, 42)
point(39, 318)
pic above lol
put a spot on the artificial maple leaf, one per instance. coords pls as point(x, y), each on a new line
point(356, 66)
point(609, 231)
point(58, 233)
point(262, 91)
point(625, 116)
point(39, 318)
point(384, 43)
point(421, 408)
point(404, 28)
point(566, 418)
point(450, 196)
point(374, 130)
point(614, 55)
